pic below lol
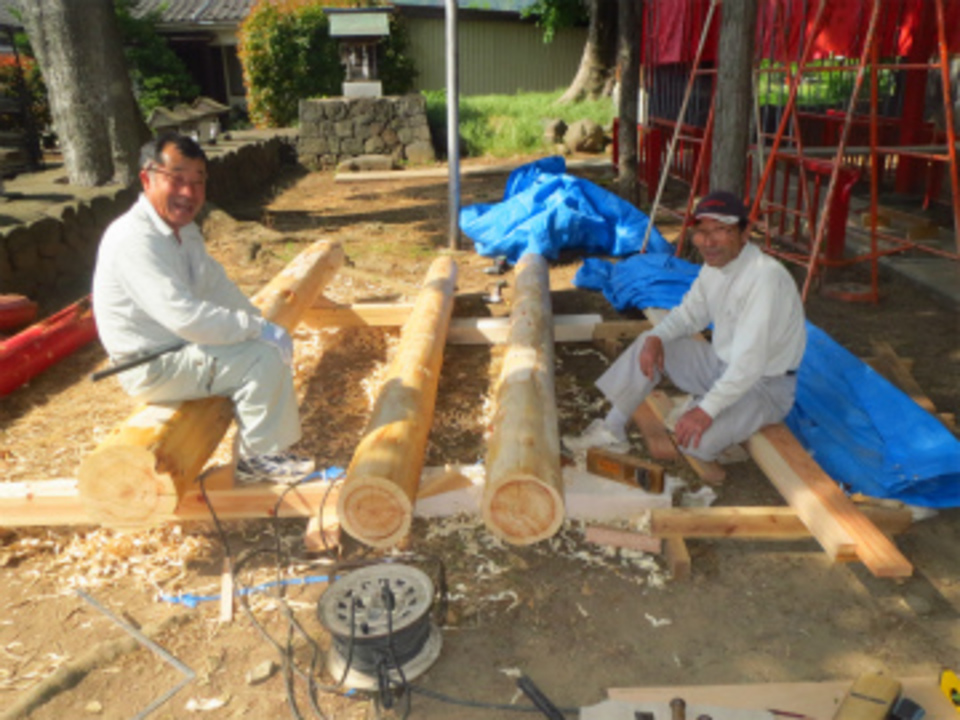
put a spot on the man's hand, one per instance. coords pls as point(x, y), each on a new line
point(651, 356)
point(691, 426)
point(275, 335)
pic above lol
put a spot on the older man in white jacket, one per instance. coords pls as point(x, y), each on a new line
point(745, 377)
point(155, 286)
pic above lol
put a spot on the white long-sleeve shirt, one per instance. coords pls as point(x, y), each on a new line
point(758, 323)
point(151, 290)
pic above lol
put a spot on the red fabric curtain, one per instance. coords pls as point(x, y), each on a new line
point(907, 28)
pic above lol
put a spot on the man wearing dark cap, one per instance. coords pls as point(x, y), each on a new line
point(745, 377)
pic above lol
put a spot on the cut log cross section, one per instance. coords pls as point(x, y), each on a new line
point(376, 502)
point(142, 470)
point(523, 495)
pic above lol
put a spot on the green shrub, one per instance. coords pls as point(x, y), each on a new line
point(287, 55)
point(159, 77)
point(506, 125)
point(397, 71)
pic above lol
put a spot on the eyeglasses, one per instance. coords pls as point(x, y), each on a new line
point(180, 181)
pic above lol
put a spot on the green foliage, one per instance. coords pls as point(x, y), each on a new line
point(158, 76)
point(396, 68)
point(26, 79)
point(506, 125)
point(553, 15)
point(287, 55)
point(830, 88)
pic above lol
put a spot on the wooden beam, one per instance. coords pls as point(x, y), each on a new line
point(678, 558)
point(655, 435)
point(822, 506)
point(143, 468)
point(886, 362)
point(758, 523)
point(710, 472)
point(376, 503)
point(523, 495)
point(621, 538)
point(357, 315)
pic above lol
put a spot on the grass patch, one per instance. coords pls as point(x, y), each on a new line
point(507, 125)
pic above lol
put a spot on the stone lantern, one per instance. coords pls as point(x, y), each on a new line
point(360, 30)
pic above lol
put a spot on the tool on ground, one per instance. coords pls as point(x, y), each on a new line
point(678, 709)
point(950, 687)
point(379, 622)
point(499, 267)
point(870, 698)
point(907, 709)
point(188, 674)
point(540, 700)
point(135, 362)
point(625, 469)
point(495, 297)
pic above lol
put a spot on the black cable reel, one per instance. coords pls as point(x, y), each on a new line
point(382, 635)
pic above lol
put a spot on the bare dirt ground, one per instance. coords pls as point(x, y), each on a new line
point(576, 619)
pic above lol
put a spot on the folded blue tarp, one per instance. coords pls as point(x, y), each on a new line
point(546, 211)
point(864, 432)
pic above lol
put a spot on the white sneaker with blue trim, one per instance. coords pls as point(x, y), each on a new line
point(283, 468)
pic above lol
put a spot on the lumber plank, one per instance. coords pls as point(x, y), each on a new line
point(822, 506)
point(621, 538)
point(486, 331)
point(523, 494)
point(376, 503)
point(678, 558)
point(758, 523)
point(886, 362)
point(813, 699)
point(324, 315)
point(655, 435)
point(145, 465)
point(710, 472)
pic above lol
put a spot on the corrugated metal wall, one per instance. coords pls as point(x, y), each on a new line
point(496, 57)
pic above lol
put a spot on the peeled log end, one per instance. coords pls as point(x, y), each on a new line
point(120, 487)
point(375, 511)
point(523, 510)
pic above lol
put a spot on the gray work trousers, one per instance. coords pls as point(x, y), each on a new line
point(693, 366)
point(251, 373)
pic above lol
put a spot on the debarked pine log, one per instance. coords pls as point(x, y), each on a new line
point(140, 472)
point(523, 494)
point(376, 501)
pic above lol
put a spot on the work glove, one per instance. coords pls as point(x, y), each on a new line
point(273, 334)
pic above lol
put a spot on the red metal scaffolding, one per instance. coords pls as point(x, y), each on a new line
point(806, 171)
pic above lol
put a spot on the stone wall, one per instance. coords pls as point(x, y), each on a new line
point(336, 129)
point(50, 258)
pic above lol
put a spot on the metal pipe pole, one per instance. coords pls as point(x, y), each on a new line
point(453, 127)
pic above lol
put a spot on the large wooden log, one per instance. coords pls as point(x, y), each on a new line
point(140, 472)
point(523, 495)
point(376, 502)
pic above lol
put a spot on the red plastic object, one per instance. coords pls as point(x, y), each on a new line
point(16, 311)
point(32, 351)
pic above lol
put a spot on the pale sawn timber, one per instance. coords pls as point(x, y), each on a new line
point(140, 472)
point(523, 494)
point(376, 502)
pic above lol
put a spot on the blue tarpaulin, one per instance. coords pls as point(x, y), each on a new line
point(546, 211)
point(864, 432)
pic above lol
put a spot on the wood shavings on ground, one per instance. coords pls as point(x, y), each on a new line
point(92, 558)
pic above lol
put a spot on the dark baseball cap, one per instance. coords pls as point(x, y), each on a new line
point(722, 206)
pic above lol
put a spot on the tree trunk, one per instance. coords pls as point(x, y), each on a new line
point(595, 75)
point(77, 45)
point(628, 60)
point(733, 97)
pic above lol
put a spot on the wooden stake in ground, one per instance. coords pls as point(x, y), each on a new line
point(523, 495)
point(376, 501)
point(146, 465)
